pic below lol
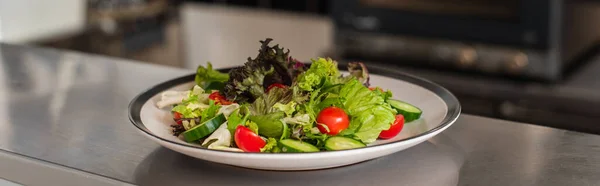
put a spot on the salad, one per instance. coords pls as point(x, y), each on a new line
point(276, 104)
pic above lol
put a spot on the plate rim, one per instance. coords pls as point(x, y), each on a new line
point(452, 113)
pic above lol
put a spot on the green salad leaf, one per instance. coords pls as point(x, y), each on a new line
point(210, 112)
point(266, 103)
point(313, 136)
point(299, 119)
point(320, 70)
point(288, 108)
point(271, 65)
point(210, 79)
point(310, 107)
point(384, 94)
point(252, 126)
point(369, 113)
point(237, 117)
point(271, 144)
point(185, 112)
point(190, 107)
point(270, 125)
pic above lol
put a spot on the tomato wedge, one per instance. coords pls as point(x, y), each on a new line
point(247, 140)
point(219, 99)
point(278, 85)
point(177, 117)
point(394, 129)
point(332, 120)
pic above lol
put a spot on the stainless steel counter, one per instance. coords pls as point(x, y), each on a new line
point(63, 121)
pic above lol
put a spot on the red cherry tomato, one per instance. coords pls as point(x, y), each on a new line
point(278, 85)
point(219, 99)
point(247, 140)
point(394, 129)
point(177, 117)
point(332, 120)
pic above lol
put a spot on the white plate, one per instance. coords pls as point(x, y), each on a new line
point(440, 110)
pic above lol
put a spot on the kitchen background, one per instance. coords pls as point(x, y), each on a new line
point(530, 61)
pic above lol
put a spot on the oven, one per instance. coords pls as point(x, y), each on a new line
point(527, 39)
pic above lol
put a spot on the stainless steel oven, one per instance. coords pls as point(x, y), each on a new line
point(531, 39)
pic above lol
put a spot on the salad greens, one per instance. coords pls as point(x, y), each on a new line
point(274, 98)
point(370, 113)
point(210, 79)
point(272, 65)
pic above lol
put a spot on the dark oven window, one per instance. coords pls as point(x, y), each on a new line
point(494, 9)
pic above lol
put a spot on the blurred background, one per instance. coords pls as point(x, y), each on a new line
point(533, 61)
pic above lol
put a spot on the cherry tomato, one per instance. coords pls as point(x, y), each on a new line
point(278, 85)
point(177, 117)
point(394, 129)
point(247, 140)
point(332, 120)
point(219, 99)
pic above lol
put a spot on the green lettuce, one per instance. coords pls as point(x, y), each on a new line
point(210, 112)
point(319, 71)
point(185, 112)
point(369, 113)
point(271, 144)
point(210, 79)
point(252, 126)
point(272, 65)
point(313, 136)
point(288, 108)
point(190, 107)
point(270, 125)
point(384, 94)
point(266, 103)
point(299, 119)
point(237, 117)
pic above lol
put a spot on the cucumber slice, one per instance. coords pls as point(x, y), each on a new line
point(290, 145)
point(410, 112)
point(342, 143)
point(204, 129)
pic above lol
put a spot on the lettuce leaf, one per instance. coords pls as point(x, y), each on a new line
point(271, 144)
point(237, 117)
point(252, 126)
point(271, 65)
point(210, 112)
point(369, 113)
point(190, 107)
point(208, 78)
point(266, 103)
point(288, 108)
point(270, 125)
point(384, 94)
point(320, 70)
point(313, 136)
point(299, 119)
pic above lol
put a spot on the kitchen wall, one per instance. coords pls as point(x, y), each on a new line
point(227, 36)
point(23, 21)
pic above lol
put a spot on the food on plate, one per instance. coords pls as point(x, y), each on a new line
point(276, 104)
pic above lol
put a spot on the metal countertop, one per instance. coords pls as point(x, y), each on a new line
point(67, 111)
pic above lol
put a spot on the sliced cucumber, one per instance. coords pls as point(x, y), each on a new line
point(342, 143)
point(204, 129)
point(410, 112)
point(290, 145)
